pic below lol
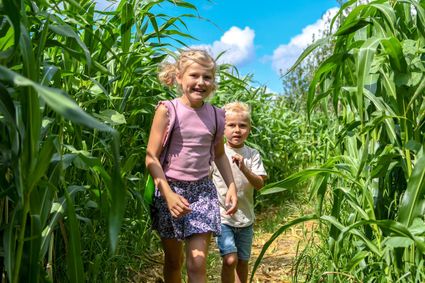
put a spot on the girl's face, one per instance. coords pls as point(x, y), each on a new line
point(197, 83)
point(237, 129)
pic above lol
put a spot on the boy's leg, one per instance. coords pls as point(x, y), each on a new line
point(228, 268)
point(196, 257)
point(243, 240)
point(173, 260)
point(242, 271)
point(228, 251)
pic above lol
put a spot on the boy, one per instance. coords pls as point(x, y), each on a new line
point(236, 236)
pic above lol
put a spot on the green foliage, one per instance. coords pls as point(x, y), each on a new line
point(65, 180)
point(374, 183)
point(78, 89)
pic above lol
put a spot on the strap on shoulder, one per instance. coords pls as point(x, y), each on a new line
point(216, 122)
point(170, 135)
point(215, 132)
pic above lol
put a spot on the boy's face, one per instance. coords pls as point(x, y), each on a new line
point(237, 129)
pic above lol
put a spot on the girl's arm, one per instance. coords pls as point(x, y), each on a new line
point(177, 204)
point(223, 166)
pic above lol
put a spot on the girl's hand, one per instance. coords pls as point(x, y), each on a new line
point(178, 205)
point(239, 161)
point(231, 201)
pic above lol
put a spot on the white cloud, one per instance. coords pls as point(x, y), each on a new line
point(286, 54)
point(238, 45)
point(269, 90)
point(104, 5)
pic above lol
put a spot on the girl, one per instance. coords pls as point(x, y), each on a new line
point(185, 206)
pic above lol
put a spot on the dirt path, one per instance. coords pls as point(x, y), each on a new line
point(276, 265)
point(278, 261)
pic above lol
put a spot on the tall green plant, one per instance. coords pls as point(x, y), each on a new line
point(61, 60)
point(375, 182)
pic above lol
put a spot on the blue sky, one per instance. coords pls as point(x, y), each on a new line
point(260, 37)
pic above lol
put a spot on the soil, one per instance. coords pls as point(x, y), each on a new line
point(276, 265)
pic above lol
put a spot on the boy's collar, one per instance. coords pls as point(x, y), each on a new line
point(227, 145)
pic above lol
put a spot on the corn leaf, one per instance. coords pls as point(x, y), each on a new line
point(75, 263)
point(415, 192)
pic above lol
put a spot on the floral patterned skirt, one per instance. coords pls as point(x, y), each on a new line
point(204, 217)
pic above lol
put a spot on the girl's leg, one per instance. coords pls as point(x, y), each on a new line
point(196, 257)
point(173, 260)
point(242, 271)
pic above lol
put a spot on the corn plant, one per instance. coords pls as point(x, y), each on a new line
point(75, 83)
point(372, 230)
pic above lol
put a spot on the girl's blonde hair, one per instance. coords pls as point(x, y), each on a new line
point(169, 70)
point(238, 107)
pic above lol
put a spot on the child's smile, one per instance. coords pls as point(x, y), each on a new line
point(197, 82)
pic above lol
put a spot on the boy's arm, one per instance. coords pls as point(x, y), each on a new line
point(223, 166)
point(256, 180)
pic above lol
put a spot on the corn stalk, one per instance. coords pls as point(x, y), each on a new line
point(376, 179)
point(75, 83)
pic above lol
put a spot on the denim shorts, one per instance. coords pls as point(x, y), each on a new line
point(236, 240)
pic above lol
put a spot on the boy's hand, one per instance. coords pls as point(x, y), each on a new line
point(239, 161)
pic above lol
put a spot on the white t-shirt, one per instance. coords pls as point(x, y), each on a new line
point(245, 214)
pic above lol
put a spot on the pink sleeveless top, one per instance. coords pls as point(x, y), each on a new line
point(191, 148)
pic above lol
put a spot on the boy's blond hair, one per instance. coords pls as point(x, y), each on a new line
point(238, 107)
